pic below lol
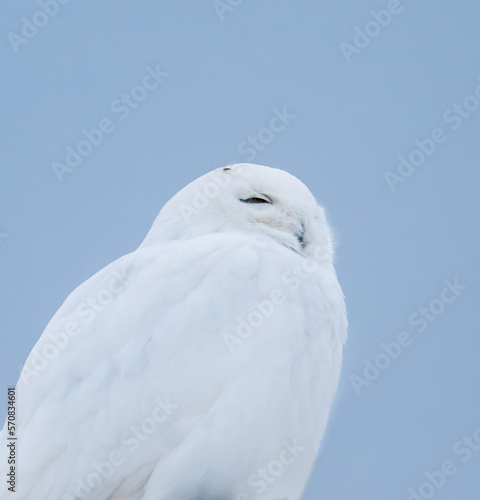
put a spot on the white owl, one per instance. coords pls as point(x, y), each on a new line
point(201, 366)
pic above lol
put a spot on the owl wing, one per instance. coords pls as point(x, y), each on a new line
point(141, 361)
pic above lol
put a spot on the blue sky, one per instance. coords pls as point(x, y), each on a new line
point(380, 101)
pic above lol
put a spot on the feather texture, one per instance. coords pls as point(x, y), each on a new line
point(201, 366)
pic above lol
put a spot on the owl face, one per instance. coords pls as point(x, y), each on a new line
point(249, 198)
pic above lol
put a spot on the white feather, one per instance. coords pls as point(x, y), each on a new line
point(203, 359)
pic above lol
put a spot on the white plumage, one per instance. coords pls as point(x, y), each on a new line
point(201, 366)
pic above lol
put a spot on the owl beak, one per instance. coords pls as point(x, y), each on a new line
point(300, 234)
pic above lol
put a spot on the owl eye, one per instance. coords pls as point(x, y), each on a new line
point(255, 200)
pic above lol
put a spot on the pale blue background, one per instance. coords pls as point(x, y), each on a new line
point(352, 121)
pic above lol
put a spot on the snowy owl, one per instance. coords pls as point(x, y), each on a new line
point(201, 366)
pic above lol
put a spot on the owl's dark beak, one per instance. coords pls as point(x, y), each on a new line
point(300, 235)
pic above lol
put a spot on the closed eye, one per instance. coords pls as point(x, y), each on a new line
point(257, 200)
